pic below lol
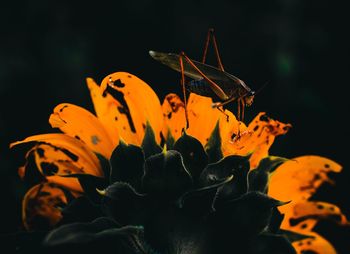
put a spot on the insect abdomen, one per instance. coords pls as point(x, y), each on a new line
point(200, 87)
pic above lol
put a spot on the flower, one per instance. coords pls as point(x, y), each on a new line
point(119, 153)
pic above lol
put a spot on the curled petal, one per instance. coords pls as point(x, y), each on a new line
point(314, 210)
point(40, 207)
point(305, 175)
point(135, 101)
point(317, 244)
point(257, 138)
point(77, 122)
point(61, 154)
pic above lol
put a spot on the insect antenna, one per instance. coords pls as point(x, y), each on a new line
point(261, 88)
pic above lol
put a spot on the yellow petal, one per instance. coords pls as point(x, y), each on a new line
point(80, 123)
point(299, 178)
point(317, 245)
point(68, 154)
point(257, 138)
point(134, 104)
point(40, 206)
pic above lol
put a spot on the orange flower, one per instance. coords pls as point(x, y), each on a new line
point(124, 105)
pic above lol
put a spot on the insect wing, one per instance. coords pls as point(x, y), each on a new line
point(172, 61)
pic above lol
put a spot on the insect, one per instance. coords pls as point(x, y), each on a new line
point(207, 80)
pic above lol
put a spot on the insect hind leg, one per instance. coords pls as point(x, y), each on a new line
point(184, 88)
point(211, 37)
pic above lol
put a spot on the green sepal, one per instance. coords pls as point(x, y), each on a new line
point(294, 236)
point(165, 175)
point(249, 214)
point(270, 244)
point(213, 146)
point(92, 237)
point(149, 143)
point(275, 221)
point(170, 141)
point(235, 165)
point(193, 154)
point(105, 165)
point(123, 203)
point(200, 202)
point(90, 184)
point(81, 209)
point(127, 164)
point(259, 178)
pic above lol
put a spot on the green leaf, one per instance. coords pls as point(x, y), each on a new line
point(193, 154)
point(213, 146)
point(127, 164)
point(149, 144)
point(259, 178)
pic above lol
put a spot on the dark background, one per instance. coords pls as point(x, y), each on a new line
point(48, 48)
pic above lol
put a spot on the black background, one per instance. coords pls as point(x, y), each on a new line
point(48, 48)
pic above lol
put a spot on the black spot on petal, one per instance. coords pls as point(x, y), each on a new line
point(264, 118)
point(49, 169)
point(118, 83)
point(320, 206)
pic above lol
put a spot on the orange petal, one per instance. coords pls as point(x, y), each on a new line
point(40, 206)
point(202, 118)
point(129, 103)
point(316, 210)
point(315, 245)
point(304, 176)
point(69, 183)
point(68, 154)
point(80, 123)
point(174, 115)
point(106, 109)
point(257, 138)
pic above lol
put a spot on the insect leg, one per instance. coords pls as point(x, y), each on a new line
point(211, 36)
point(221, 109)
point(206, 45)
point(184, 89)
point(215, 87)
point(243, 107)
